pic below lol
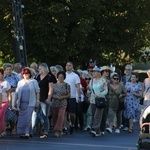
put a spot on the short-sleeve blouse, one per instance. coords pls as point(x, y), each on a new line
point(60, 90)
point(44, 86)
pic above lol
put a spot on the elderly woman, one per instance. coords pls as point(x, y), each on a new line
point(116, 95)
point(4, 88)
point(53, 70)
point(133, 93)
point(27, 94)
point(86, 103)
point(146, 88)
point(61, 92)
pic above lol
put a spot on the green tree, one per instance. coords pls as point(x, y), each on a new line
point(111, 31)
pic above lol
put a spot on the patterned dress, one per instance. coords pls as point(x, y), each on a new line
point(132, 110)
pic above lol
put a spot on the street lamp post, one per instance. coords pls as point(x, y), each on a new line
point(18, 32)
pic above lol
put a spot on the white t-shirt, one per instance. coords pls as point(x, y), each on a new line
point(4, 86)
point(72, 79)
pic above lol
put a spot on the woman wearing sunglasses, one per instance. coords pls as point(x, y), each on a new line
point(116, 93)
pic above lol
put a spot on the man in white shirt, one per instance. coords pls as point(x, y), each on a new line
point(74, 81)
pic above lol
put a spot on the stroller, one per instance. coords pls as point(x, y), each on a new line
point(144, 129)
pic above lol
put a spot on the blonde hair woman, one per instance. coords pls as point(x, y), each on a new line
point(45, 81)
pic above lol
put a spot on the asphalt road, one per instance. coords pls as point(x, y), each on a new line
point(79, 140)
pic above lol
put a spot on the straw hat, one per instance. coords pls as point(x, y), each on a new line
point(106, 68)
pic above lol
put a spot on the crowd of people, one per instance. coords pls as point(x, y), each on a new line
point(39, 98)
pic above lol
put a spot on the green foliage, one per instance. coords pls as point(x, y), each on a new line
point(56, 31)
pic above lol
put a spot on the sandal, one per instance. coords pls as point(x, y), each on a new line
point(130, 130)
point(43, 136)
point(56, 134)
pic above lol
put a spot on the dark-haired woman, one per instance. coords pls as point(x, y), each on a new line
point(116, 94)
point(27, 94)
point(61, 92)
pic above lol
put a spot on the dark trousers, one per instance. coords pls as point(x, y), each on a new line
point(79, 115)
point(125, 121)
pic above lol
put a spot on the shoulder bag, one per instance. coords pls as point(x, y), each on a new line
point(100, 102)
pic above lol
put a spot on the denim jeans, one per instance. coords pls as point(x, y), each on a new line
point(45, 109)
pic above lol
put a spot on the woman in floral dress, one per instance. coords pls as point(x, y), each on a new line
point(134, 92)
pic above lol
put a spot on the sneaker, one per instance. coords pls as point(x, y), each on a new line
point(65, 131)
point(102, 133)
point(3, 134)
point(92, 132)
point(121, 126)
point(85, 129)
point(125, 129)
point(117, 131)
point(98, 134)
point(109, 130)
point(88, 128)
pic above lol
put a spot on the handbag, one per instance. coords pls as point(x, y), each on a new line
point(121, 104)
point(100, 102)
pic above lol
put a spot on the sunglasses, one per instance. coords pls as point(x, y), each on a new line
point(116, 78)
point(107, 71)
point(87, 78)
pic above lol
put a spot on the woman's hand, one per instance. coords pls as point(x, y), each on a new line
point(88, 87)
point(121, 95)
point(95, 95)
point(61, 97)
point(111, 87)
point(37, 104)
point(128, 89)
point(55, 97)
point(47, 101)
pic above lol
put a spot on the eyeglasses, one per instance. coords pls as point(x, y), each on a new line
point(116, 78)
point(87, 78)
